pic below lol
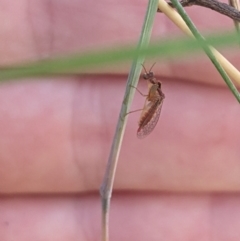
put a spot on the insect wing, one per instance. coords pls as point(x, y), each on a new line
point(143, 131)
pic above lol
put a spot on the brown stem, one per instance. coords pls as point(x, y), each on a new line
point(215, 5)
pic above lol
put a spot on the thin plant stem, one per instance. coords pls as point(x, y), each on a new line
point(236, 5)
point(107, 184)
point(217, 59)
point(206, 48)
point(218, 6)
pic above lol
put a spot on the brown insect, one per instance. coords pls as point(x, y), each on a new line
point(152, 107)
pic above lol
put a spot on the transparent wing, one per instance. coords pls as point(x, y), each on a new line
point(151, 114)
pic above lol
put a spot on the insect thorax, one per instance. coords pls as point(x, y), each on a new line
point(153, 94)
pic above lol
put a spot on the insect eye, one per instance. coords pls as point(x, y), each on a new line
point(145, 76)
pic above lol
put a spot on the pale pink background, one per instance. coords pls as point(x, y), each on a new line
point(180, 183)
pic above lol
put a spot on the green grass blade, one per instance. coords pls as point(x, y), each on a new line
point(206, 48)
point(81, 62)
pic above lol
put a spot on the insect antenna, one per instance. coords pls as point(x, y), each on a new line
point(144, 69)
point(152, 67)
point(146, 72)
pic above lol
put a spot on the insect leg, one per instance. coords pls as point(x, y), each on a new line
point(138, 90)
point(130, 112)
point(133, 111)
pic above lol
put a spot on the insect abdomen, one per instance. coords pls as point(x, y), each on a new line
point(148, 115)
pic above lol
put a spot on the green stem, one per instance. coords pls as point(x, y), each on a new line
point(107, 185)
point(206, 48)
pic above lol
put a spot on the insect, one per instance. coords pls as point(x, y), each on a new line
point(152, 107)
